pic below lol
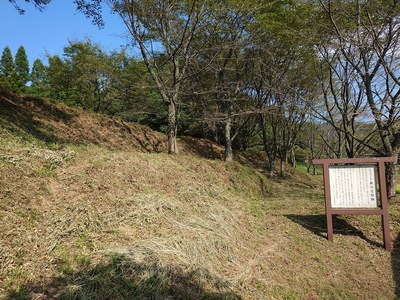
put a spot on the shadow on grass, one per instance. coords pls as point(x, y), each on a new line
point(317, 225)
point(20, 113)
point(204, 147)
point(130, 276)
point(396, 265)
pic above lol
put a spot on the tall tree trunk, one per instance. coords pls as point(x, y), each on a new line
point(268, 149)
point(391, 179)
point(228, 140)
point(172, 128)
point(283, 166)
point(228, 133)
point(293, 158)
point(315, 170)
point(271, 166)
point(308, 163)
point(391, 147)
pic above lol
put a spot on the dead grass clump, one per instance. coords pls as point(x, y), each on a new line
point(90, 222)
point(56, 123)
point(152, 226)
point(103, 199)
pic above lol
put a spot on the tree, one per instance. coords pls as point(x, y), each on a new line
point(39, 80)
point(21, 70)
point(89, 76)
point(110, 83)
point(220, 75)
point(284, 102)
point(14, 73)
point(91, 8)
point(7, 69)
point(367, 35)
point(281, 81)
point(39, 4)
point(137, 98)
point(344, 107)
point(311, 143)
point(164, 31)
point(59, 79)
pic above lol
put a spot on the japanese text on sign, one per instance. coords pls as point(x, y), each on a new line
point(353, 186)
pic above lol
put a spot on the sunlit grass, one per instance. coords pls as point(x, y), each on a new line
point(89, 222)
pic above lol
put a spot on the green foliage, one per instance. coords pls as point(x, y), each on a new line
point(250, 57)
point(92, 9)
point(58, 78)
point(7, 68)
point(291, 21)
point(111, 83)
point(38, 73)
point(91, 74)
point(21, 70)
point(39, 80)
point(14, 73)
point(48, 171)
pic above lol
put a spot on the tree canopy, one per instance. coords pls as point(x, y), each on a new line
point(39, 4)
point(318, 78)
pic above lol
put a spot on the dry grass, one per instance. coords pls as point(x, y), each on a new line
point(92, 222)
point(133, 205)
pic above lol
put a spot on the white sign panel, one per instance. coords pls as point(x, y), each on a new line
point(353, 186)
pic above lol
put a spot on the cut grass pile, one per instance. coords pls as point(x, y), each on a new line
point(130, 208)
point(89, 222)
point(102, 224)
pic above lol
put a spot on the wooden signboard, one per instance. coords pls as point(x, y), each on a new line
point(356, 186)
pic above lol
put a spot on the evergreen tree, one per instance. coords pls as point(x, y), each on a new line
point(38, 74)
point(21, 70)
point(38, 79)
point(7, 68)
point(59, 79)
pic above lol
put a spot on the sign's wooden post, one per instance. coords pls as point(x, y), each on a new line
point(328, 205)
point(384, 205)
point(352, 189)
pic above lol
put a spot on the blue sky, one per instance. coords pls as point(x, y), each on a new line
point(49, 31)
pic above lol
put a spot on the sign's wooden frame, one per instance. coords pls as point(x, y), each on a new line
point(382, 210)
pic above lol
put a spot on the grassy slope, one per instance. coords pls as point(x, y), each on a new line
point(84, 221)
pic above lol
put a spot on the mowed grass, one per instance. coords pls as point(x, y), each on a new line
point(86, 222)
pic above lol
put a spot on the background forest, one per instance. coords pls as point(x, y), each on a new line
point(297, 79)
